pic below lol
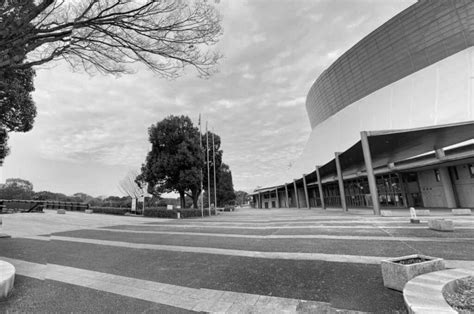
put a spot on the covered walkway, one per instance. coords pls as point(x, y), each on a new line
point(423, 167)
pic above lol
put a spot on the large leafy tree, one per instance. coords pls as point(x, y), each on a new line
point(175, 161)
point(106, 35)
point(17, 109)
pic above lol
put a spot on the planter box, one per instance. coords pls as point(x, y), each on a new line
point(61, 211)
point(396, 272)
point(461, 211)
point(89, 211)
point(441, 225)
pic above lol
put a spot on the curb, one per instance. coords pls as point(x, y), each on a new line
point(424, 294)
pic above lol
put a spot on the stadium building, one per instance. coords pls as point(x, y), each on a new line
point(392, 119)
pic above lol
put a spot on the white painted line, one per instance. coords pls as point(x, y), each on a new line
point(207, 300)
point(320, 226)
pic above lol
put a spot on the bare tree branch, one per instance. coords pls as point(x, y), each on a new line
point(106, 35)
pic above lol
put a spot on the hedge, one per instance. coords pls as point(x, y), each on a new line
point(159, 212)
point(185, 213)
point(110, 210)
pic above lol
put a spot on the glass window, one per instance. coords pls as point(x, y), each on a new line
point(455, 173)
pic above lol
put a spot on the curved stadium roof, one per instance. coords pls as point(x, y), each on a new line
point(419, 36)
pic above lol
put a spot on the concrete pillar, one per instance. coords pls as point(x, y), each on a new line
point(340, 180)
point(259, 200)
point(447, 187)
point(278, 198)
point(370, 172)
point(296, 194)
point(287, 197)
point(320, 188)
point(305, 187)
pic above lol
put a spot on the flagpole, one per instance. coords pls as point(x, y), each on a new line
point(214, 162)
point(200, 146)
point(208, 173)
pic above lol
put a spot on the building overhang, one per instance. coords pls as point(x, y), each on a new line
point(398, 149)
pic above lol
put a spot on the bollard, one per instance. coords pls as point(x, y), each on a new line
point(413, 218)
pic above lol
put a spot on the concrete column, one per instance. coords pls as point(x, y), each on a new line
point(340, 180)
point(259, 200)
point(297, 199)
point(447, 187)
point(370, 172)
point(320, 188)
point(287, 197)
point(305, 187)
point(278, 198)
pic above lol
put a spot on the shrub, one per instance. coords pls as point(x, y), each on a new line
point(110, 210)
point(160, 212)
point(192, 212)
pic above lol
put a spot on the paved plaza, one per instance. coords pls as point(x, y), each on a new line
point(267, 260)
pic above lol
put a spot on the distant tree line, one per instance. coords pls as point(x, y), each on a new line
point(20, 189)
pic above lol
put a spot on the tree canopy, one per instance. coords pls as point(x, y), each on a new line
point(17, 108)
point(107, 35)
point(15, 188)
point(225, 187)
point(241, 197)
point(175, 161)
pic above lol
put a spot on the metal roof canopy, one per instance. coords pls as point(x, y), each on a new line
point(396, 145)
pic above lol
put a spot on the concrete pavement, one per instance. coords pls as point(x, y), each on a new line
point(259, 255)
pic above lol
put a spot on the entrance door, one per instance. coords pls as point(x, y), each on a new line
point(412, 189)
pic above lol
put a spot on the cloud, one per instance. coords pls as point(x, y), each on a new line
point(273, 52)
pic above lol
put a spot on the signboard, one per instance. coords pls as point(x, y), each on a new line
point(134, 204)
point(169, 207)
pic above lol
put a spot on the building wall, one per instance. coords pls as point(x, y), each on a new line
point(421, 35)
point(432, 191)
point(301, 198)
point(464, 186)
point(438, 94)
point(282, 198)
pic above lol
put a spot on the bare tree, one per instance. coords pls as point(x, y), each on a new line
point(128, 185)
point(107, 35)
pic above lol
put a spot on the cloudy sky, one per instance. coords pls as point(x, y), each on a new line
point(91, 130)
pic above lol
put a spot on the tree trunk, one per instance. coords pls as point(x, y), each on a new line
point(195, 198)
point(182, 199)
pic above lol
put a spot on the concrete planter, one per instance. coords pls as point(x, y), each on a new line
point(441, 225)
point(7, 279)
point(396, 272)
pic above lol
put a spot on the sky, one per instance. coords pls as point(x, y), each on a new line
point(90, 131)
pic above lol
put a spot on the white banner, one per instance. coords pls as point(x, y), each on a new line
point(134, 204)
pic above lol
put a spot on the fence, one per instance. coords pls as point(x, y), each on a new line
point(35, 205)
